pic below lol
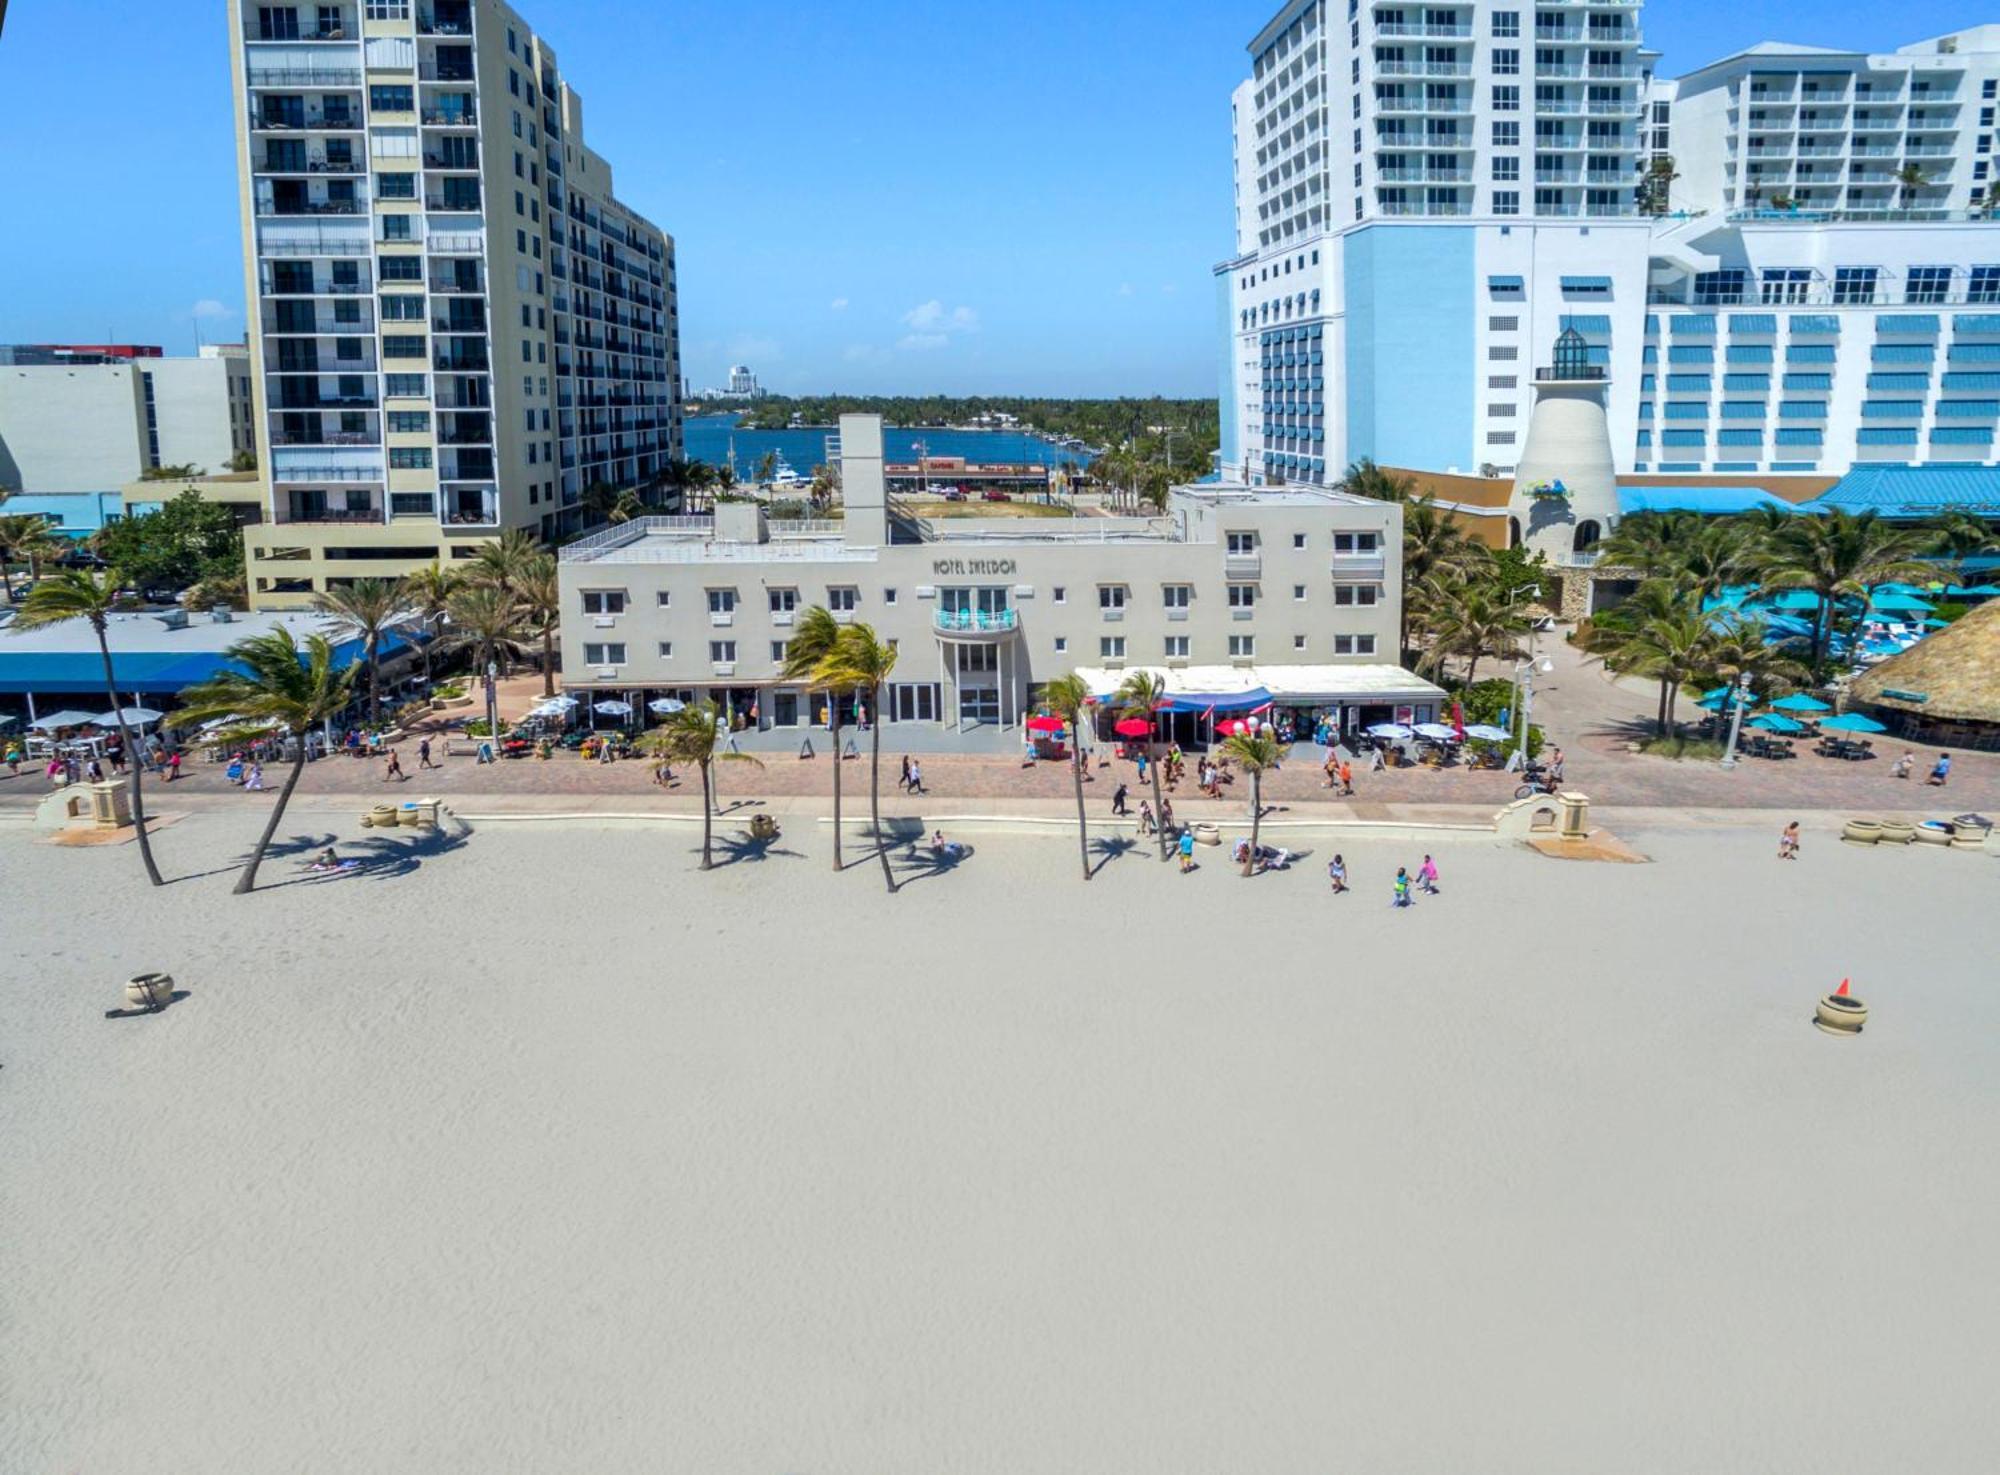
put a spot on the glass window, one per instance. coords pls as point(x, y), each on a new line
point(1111, 596)
point(611, 653)
point(721, 601)
point(1242, 645)
point(384, 97)
point(722, 651)
point(1111, 647)
point(1177, 647)
point(604, 601)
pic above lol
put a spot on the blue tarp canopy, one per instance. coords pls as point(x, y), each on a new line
point(152, 673)
point(1776, 722)
point(1897, 604)
point(1235, 701)
point(1711, 501)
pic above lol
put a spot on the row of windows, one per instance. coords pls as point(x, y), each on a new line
point(1109, 648)
point(845, 599)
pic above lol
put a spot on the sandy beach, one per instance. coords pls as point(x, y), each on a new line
point(539, 1151)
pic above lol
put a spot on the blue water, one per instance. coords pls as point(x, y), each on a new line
point(708, 439)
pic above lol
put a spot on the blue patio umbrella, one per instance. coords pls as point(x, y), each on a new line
point(1898, 604)
point(1796, 599)
point(1910, 589)
point(1976, 591)
point(1725, 696)
point(1851, 722)
point(1776, 722)
point(1798, 701)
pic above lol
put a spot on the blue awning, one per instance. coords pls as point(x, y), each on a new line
point(150, 673)
point(1586, 284)
point(1235, 701)
point(1503, 284)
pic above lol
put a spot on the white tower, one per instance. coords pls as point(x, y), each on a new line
point(1565, 495)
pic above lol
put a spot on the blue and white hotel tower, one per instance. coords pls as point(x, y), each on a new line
point(1785, 262)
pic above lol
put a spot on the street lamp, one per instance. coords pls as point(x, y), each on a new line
point(1524, 696)
point(1742, 696)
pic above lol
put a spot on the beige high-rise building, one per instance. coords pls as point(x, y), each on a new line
point(455, 326)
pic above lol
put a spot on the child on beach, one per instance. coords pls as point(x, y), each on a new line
point(1146, 823)
point(1427, 876)
point(1902, 766)
point(1186, 848)
point(253, 778)
point(1788, 843)
point(1336, 873)
point(1401, 895)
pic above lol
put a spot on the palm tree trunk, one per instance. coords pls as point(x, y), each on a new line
point(247, 882)
point(134, 760)
point(1082, 824)
point(1159, 805)
point(1472, 671)
point(548, 661)
point(707, 817)
point(374, 683)
point(875, 795)
point(833, 715)
point(1256, 819)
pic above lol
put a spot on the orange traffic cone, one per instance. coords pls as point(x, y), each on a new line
point(1841, 992)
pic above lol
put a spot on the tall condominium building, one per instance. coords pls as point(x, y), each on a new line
point(1427, 196)
point(456, 327)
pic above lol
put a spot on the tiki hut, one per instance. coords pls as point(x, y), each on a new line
point(1945, 689)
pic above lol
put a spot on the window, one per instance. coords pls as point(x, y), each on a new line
point(1241, 646)
point(401, 308)
point(842, 599)
point(1853, 284)
point(1242, 596)
point(1111, 647)
point(402, 346)
point(1983, 285)
point(408, 422)
point(1111, 596)
point(604, 601)
point(722, 652)
point(1507, 61)
point(1056, 594)
point(1928, 284)
point(1298, 592)
point(405, 386)
point(1298, 642)
point(1506, 202)
point(1298, 540)
point(1354, 645)
point(1356, 542)
point(1506, 23)
point(395, 186)
point(722, 601)
point(666, 599)
point(666, 650)
point(1356, 594)
point(398, 227)
point(1241, 543)
point(777, 652)
point(1176, 596)
point(888, 596)
point(1506, 99)
point(401, 268)
point(410, 458)
point(601, 654)
point(1506, 134)
point(387, 98)
point(1507, 167)
point(784, 601)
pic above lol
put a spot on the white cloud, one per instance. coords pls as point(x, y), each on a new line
point(933, 317)
point(209, 307)
point(1124, 289)
point(839, 304)
point(923, 341)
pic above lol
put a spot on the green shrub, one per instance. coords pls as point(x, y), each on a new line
point(1682, 748)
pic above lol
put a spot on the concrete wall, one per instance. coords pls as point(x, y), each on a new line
point(66, 429)
point(192, 410)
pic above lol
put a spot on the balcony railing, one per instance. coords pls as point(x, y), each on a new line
point(325, 122)
point(305, 76)
point(309, 207)
point(327, 438)
point(976, 621)
point(333, 514)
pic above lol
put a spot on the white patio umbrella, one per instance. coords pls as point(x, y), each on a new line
point(133, 716)
point(613, 708)
point(1436, 732)
point(55, 720)
point(1487, 733)
point(666, 706)
point(1390, 730)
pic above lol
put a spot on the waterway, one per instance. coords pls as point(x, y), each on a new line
point(709, 438)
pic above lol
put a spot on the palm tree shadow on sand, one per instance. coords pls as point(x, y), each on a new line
point(380, 857)
point(1108, 850)
point(744, 847)
point(921, 861)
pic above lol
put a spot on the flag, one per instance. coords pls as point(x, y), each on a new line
point(1458, 719)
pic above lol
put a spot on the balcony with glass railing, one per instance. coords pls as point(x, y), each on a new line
point(302, 23)
point(469, 506)
point(976, 624)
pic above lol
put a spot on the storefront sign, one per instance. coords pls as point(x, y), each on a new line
point(994, 567)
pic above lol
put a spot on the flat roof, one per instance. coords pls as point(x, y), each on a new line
point(146, 655)
point(1915, 491)
point(1359, 682)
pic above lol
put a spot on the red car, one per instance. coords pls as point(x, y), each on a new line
point(994, 494)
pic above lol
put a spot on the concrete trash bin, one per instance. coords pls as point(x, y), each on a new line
point(110, 805)
point(1573, 820)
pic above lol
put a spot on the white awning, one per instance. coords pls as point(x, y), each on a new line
point(1304, 685)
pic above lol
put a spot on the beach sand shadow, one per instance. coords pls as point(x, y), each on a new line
point(730, 850)
point(920, 862)
point(172, 999)
point(1109, 850)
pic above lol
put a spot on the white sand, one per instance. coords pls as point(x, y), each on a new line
point(549, 1155)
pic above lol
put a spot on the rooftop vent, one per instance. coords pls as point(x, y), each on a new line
point(221, 615)
point(173, 619)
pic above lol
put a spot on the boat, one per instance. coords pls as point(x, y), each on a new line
point(787, 476)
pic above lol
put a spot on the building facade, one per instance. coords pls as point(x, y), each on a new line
point(1294, 592)
point(457, 328)
point(1426, 197)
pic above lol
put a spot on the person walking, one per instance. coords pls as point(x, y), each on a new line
point(424, 755)
point(917, 777)
point(1336, 874)
point(1400, 896)
point(1118, 802)
point(1166, 814)
point(1555, 769)
point(1142, 768)
point(96, 773)
point(1346, 779)
point(1146, 822)
point(1332, 771)
point(253, 777)
point(1788, 842)
point(1902, 766)
point(117, 752)
point(173, 765)
point(234, 773)
point(1186, 848)
point(903, 783)
point(394, 770)
point(1427, 876)
point(13, 759)
point(1939, 772)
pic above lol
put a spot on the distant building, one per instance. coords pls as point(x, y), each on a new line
point(75, 353)
point(742, 381)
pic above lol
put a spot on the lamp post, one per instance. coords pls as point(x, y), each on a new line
point(493, 707)
point(1742, 700)
point(1524, 683)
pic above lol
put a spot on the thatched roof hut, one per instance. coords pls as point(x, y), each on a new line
point(1953, 676)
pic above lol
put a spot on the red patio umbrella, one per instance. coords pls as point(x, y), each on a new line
point(1132, 727)
point(1046, 724)
point(1231, 726)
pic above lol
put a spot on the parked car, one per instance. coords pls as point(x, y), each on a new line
point(954, 494)
point(994, 494)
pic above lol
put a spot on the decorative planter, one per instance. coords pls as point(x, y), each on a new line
point(410, 815)
point(1932, 835)
point(445, 704)
point(1207, 835)
point(763, 827)
point(1862, 832)
point(1895, 832)
point(383, 815)
point(149, 991)
point(1840, 1014)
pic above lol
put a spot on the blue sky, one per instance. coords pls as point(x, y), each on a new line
point(868, 195)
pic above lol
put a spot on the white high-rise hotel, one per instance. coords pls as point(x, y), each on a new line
point(456, 327)
point(1426, 195)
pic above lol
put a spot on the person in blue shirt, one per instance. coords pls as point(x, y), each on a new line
point(1941, 772)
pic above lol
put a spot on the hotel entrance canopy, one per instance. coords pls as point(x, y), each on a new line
point(1246, 688)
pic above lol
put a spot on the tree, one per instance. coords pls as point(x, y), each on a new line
point(1661, 633)
point(1365, 479)
point(503, 564)
point(1481, 621)
point(813, 639)
point(725, 478)
point(490, 621)
point(696, 734)
point(21, 535)
point(860, 662)
point(1654, 543)
point(72, 594)
point(767, 467)
point(1068, 697)
point(541, 601)
point(1656, 187)
point(1256, 753)
point(186, 541)
point(626, 505)
point(598, 500)
point(1960, 536)
point(1909, 179)
point(1434, 547)
point(1840, 555)
point(367, 609)
point(1140, 696)
point(297, 696)
point(430, 589)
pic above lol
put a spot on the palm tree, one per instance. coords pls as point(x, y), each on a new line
point(813, 639)
point(1661, 633)
point(279, 689)
point(503, 563)
point(1141, 695)
point(1480, 622)
point(1256, 753)
point(1739, 647)
point(490, 621)
point(696, 734)
point(725, 478)
point(598, 500)
point(73, 594)
point(1840, 555)
point(627, 505)
point(367, 609)
point(430, 589)
point(1365, 479)
point(1654, 543)
point(1909, 179)
point(1655, 187)
point(1716, 556)
point(1960, 536)
point(1434, 547)
point(861, 662)
point(18, 535)
point(767, 467)
point(1068, 696)
point(541, 600)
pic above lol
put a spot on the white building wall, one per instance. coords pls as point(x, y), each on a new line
point(71, 429)
point(191, 406)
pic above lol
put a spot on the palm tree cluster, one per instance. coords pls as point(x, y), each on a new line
point(1669, 630)
point(838, 661)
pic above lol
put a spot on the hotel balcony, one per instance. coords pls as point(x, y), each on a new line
point(445, 19)
point(1359, 567)
point(976, 626)
point(1425, 105)
point(1423, 68)
point(286, 319)
point(315, 505)
point(289, 391)
point(289, 23)
point(473, 506)
point(313, 119)
point(1433, 31)
point(276, 281)
point(296, 78)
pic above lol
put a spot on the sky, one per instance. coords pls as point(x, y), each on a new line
point(870, 196)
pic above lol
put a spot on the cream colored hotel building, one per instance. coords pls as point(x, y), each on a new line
point(1232, 593)
point(455, 327)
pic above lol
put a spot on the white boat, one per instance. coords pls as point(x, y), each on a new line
point(787, 476)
